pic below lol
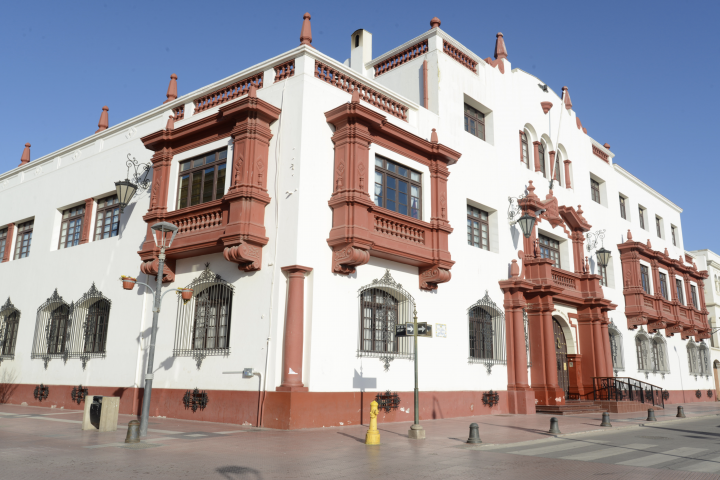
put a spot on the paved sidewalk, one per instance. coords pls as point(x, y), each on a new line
point(47, 443)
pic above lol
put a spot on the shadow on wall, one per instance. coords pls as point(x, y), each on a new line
point(235, 472)
point(437, 411)
point(7, 384)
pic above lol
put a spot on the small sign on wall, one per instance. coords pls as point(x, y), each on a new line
point(441, 330)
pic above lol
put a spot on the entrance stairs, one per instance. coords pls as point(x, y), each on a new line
point(571, 407)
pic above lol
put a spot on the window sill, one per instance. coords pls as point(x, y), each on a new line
point(205, 351)
point(364, 354)
point(486, 361)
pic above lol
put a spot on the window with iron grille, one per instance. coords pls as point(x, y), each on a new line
point(398, 188)
point(203, 322)
point(525, 149)
point(663, 286)
point(550, 248)
point(107, 223)
point(693, 292)
point(474, 122)
point(657, 227)
point(641, 347)
point(595, 190)
point(3, 242)
point(623, 214)
point(57, 334)
point(90, 318)
point(679, 288)
point(641, 214)
point(202, 179)
point(24, 239)
point(616, 347)
point(672, 231)
point(645, 278)
point(658, 355)
point(53, 329)
point(71, 228)
point(703, 357)
point(603, 275)
point(486, 329)
point(478, 229)
point(9, 322)
point(541, 158)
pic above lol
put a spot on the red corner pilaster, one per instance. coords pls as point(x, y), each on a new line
point(294, 328)
point(172, 89)
point(104, 123)
point(536, 144)
point(568, 181)
point(87, 219)
point(25, 158)
point(8, 243)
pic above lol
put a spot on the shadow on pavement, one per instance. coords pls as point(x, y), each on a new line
point(361, 440)
point(236, 472)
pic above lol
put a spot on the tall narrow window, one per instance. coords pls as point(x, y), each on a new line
point(202, 179)
point(595, 190)
point(672, 231)
point(550, 248)
point(96, 325)
point(71, 228)
point(693, 292)
point(623, 214)
point(556, 173)
point(486, 329)
point(57, 334)
point(679, 287)
point(658, 355)
point(397, 188)
point(474, 122)
point(9, 321)
point(107, 223)
point(645, 277)
point(641, 346)
point(663, 286)
point(481, 334)
point(616, 348)
point(541, 158)
point(641, 214)
point(525, 149)
point(3, 242)
point(24, 239)
point(477, 228)
point(658, 229)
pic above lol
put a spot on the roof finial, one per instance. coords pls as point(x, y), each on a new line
point(103, 123)
point(500, 50)
point(434, 22)
point(566, 98)
point(433, 136)
point(607, 145)
point(629, 235)
point(306, 32)
point(172, 89)
point(25, 155)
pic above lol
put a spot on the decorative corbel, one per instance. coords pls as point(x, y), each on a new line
point(431, 277)
point(345, 259)
point(248, 257)
point(150, 267)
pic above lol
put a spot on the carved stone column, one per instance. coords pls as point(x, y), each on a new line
point(161, 161)
point(599, 350)
point(294, 331)
point(568, 180)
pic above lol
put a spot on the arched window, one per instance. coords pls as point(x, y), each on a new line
point(9, 322)
point(203, 322)
point(524, 149)
point(658, 355)
point(87, 335)
point(642, 346)
point(693, 358)
point(58, 331)
point(486, 332)
point(52, 325)
point(541, 158)
point(383, 305)
point(704, 359)
point(616, 347)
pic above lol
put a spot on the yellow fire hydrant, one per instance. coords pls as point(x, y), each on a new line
point(372, 437)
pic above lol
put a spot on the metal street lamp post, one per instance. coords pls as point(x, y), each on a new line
point(416, 430)
point(160, 231)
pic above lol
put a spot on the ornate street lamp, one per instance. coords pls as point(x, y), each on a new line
point(127, 188)
point(526, 221)
point(526, 224)
point(602, 254)
point(603, 257)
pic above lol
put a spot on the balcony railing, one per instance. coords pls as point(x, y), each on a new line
point(225, 94)
point(401, 58)
point(563, 279)
point(459, 56)
point(398, 229)
point(197, 219)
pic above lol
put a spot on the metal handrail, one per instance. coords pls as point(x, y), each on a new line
point(627, 389)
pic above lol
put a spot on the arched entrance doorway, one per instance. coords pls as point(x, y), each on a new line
point(716, 365)
point(561, 357)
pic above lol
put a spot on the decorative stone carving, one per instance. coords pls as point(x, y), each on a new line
point(430, 278)
point(245, 255)
point(345, 259)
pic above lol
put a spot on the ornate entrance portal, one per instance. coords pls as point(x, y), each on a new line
point(561, 356)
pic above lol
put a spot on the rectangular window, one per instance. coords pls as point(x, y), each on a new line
point(693, 292)
point(595, 190)
point(623, 214)
point(474, 122)
point(603, 275)
point(657, 227)
point(477, 228)
point(672, 231)
point(663, 286)
point(550, 248)
point(3, 242)
point(679, 287)
point(202, 179)
point(645, 277)
point(71, 228)
point(541, 158)
point(107, 223)
point(641, 213)
point(397, 188)
point(24, 239)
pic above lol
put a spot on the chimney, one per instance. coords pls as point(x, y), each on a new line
point(360, 50)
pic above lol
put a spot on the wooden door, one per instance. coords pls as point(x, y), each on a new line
point(561, 356)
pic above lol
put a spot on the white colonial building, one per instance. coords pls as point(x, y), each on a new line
point(319, 204)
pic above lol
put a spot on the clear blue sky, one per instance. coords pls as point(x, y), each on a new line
point(643, 75)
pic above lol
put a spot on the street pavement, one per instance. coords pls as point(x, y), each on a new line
point(45, 443)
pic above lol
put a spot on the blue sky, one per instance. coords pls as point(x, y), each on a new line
point(642, 75)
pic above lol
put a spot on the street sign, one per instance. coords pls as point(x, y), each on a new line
point(406, 330)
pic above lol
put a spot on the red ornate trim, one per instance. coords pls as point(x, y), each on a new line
point(431, 277)
point(410, 53)
point(599, 153)
point(284, 70)
point(360, 228)
point(87, 219)
point(8, 243)
point(568, 180)
point(546, 106)
point(459, 56)
point(226, 94)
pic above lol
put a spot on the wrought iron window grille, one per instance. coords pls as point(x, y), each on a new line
point(486, 332)
point(387, 401)
point(90, 321)
point(195, 399)
point(383, 304)
point(52, 324)
point(78, 394)
point(203, 323)
point(43, 391)
point(491, 398)
point(616, 347)
point(527, 339)
point(9, 323)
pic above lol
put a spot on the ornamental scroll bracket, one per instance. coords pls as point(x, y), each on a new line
point(345, 259)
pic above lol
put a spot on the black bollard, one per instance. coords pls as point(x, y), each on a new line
point(681, 413)
point(133, 433)
point(474, 434)
point(606, 420)
point(651, 415)
point(554, 426)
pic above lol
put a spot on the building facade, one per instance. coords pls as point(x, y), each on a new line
point(319, 204)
